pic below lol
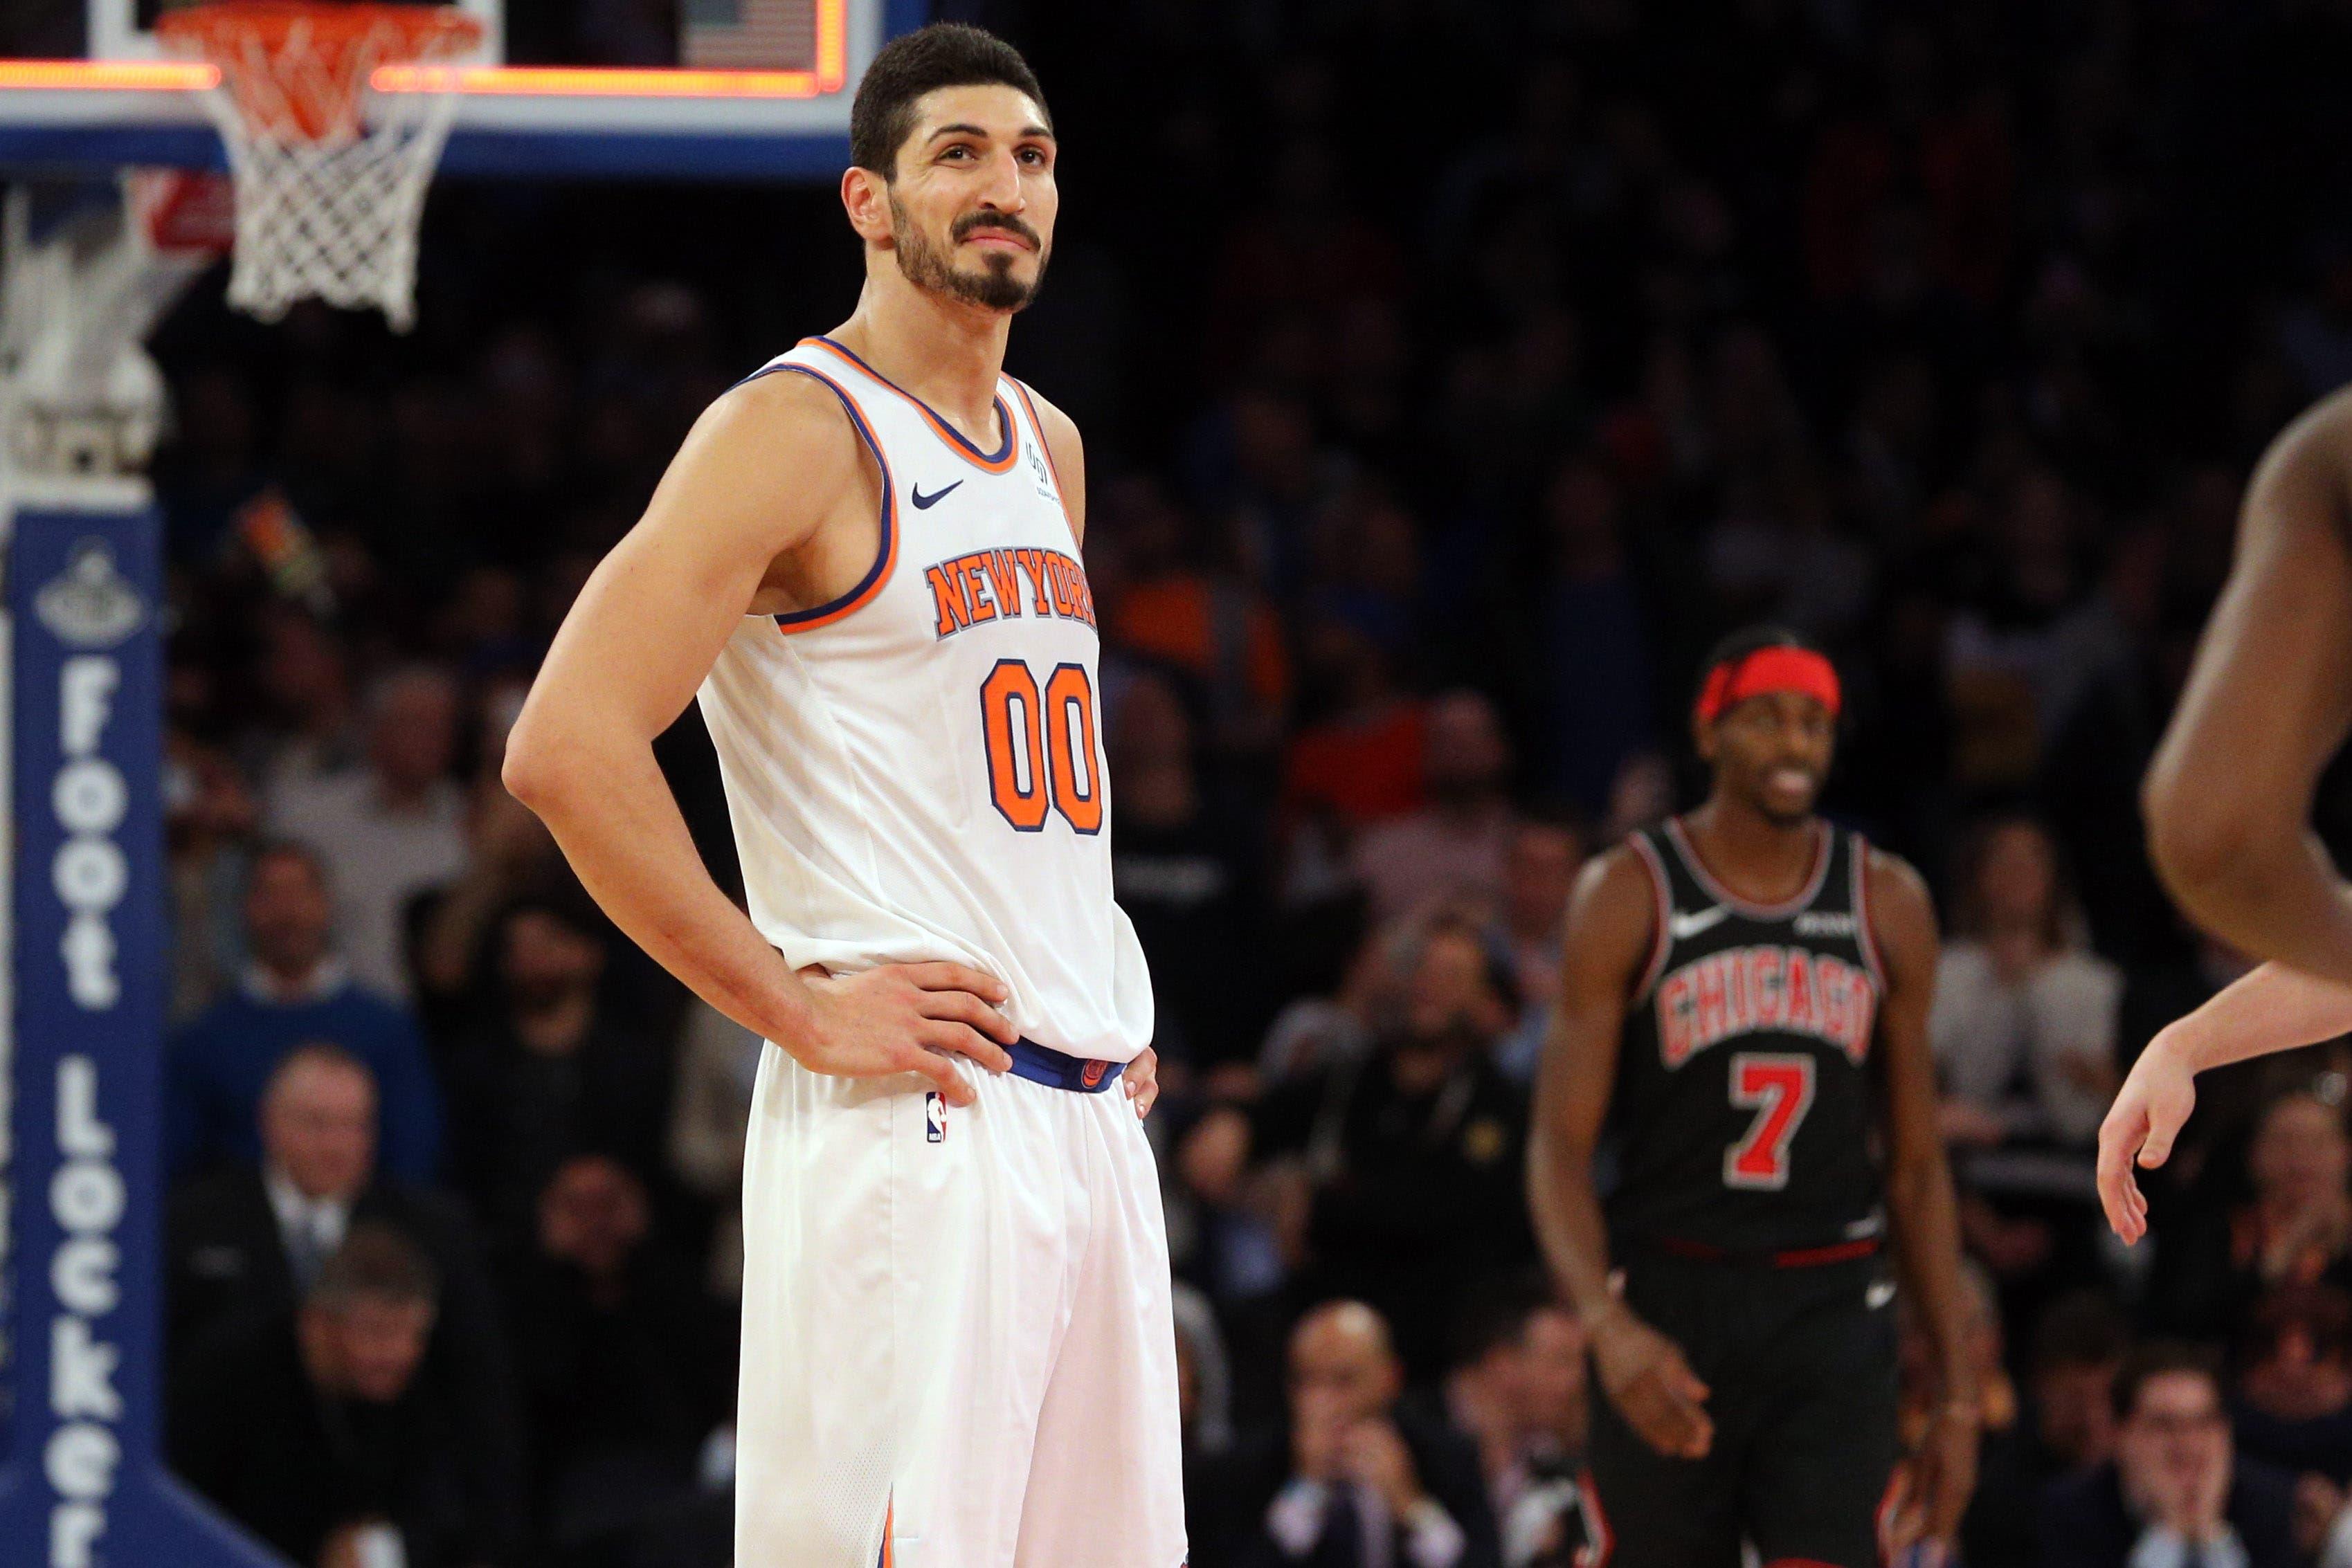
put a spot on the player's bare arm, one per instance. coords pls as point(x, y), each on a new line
point(2267, 704)
point(2269, 1008)
point(1925, 1216)
point(770, 505)
point(1611, 930)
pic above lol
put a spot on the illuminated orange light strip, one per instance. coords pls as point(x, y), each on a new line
point(832, 45)
point(556, 81)
point(108, 76)
point(830, 75)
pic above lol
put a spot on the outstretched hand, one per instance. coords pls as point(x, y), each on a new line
point(2147, 1115)
point(908, 1018)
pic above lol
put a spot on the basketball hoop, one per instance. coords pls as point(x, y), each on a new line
point(329, 174)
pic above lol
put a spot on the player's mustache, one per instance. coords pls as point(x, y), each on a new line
point(972, 222)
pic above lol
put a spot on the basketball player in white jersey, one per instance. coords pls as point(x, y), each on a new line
point(958, 1349)
point(2228, 798)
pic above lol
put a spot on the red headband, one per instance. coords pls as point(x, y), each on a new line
point(1777, 669)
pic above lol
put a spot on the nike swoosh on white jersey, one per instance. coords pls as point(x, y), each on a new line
point(1683, 927)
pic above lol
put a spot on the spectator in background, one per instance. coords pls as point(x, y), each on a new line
point(1538, 871)
point(711, 1110)
point(295, 990)
point(549, 1072)
point(1456, 845)
point(1357, 760)
point(1414, 1153)
point(1187, 874)
point(1594, 647)
point(313, 731)
point(387, 831)
point(1366, 1481)
point(2024, 1033)
point(619, 1350)
point(2294, 1230)
point(1168, 606)
point(2293, 1405)
point(1216, 1517)
point(2175, 1495)
point(2078, 1349)
point(1517, 1386)
point(510, 854)
point(2024, 1023)
point(249, 1241)
point(311, 1422)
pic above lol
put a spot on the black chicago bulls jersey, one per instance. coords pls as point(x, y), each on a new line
point(1744, 1112)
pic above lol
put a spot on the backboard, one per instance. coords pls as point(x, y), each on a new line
point(760, 92)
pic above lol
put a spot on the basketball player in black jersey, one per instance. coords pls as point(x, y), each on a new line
point(1745, 1013)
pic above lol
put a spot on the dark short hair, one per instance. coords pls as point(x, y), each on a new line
point(2082, 1328)
point(2322, 1314)
point(945, 54)
point(2160, 1358)
point(568, 908)
point(1493, 1312)
point(376, 1262)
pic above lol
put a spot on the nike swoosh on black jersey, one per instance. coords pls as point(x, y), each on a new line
point(922, 501)
point(1683, 927)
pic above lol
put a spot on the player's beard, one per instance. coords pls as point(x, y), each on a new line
point(933, 269)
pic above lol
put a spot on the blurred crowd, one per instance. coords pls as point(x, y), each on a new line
point(1453, 374)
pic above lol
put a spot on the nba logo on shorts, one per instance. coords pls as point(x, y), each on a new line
point(1091, 1074)
point(935, 1118)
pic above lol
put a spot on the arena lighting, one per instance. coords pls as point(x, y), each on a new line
point(830, 75)
point(523, 81)
point(557, 81)
point(108, 76)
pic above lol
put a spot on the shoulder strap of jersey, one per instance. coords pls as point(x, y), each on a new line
point(1659, 859)
point(1857, 882)
point(1035, 432)
point(1840, 891)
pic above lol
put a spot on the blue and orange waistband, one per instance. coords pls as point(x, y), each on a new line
point(1060, 1070)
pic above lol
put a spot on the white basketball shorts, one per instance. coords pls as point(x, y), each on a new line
point(958, 1349)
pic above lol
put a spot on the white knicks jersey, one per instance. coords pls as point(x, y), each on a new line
point(915, 770)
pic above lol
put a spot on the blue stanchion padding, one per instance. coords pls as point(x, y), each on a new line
point(83, 1483)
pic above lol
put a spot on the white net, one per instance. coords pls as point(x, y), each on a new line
point(331, 175)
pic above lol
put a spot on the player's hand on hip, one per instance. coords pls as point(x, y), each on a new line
point(1141, 1081)
point(2150, 1109)
point(908, 1018)
point(1653, 1387)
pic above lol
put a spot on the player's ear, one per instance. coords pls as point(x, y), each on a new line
point(1702, 738)
point(865, 197)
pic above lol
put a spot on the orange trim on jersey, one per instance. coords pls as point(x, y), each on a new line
point(889, 1513)
point(1061, 492)
point(886, 557)
point(1000, 463)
